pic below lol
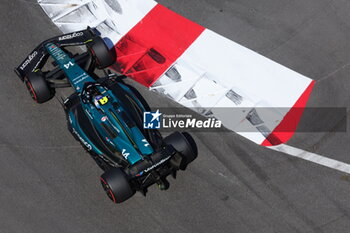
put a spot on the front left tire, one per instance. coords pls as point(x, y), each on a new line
point(38, 88)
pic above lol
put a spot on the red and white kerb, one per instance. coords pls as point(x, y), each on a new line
point(194, 66)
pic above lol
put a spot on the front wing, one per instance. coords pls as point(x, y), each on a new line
point(38, 57)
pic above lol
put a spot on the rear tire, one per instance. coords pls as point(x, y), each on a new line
point(185, 145)
point(116, 185)
point(38, 88)
point(102, 55)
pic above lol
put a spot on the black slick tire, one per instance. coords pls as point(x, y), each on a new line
point(116, 185)
point(102, 55)
point(38, 87)
point(185, 145)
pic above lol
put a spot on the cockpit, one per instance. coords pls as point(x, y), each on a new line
point(92, 94)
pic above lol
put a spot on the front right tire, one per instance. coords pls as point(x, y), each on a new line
point(102, 55)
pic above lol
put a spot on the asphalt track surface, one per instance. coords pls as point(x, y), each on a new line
point(49, 184)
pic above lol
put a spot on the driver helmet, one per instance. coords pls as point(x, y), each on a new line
point(96, 100)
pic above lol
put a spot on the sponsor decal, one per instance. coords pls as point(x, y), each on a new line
point(89, 114)
point(79, 79)
point(110, 141)
point(71, 36)
point(145, 142)
point(125, 154)
point(30, 58)
point(86, 144)
point(103, 119)
point(157, 164)
point(70, 119)
point(140, 174)
point(38, 63)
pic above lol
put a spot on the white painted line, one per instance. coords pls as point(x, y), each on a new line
point(312, 157)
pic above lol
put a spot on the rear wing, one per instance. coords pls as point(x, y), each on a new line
point(38, 57)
